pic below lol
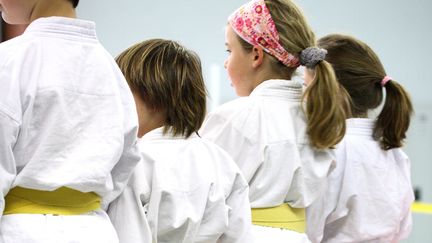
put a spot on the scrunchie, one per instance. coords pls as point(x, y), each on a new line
point(385, 80)
point(310, 56)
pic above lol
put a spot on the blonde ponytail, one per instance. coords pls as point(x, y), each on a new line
point(324, 108)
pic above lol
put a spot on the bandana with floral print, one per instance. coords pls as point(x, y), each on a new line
point(253, 23)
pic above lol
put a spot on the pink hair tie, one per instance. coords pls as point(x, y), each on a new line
point(385, 80)
point(254, 24)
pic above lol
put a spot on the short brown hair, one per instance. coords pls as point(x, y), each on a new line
point(168, 77)
point(360, 72)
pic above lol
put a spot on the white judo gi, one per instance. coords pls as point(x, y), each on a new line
point(265, 133)
point(67, 119)
point(194, 193)
point(369, 194)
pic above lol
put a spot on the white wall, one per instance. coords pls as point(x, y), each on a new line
point(399, 31)
point(198, 24)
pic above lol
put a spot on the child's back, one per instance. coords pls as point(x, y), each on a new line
point(67, 122)
point(277, 134)
point(197, 192)
point(69, 102)
point(369, 193)
point(265, 133)
point(188, 189)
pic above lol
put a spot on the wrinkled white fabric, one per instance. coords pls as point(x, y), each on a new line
point(265, 134)
point(67, 116)
point(30, 228)
point(369, 193)
point(189, 190)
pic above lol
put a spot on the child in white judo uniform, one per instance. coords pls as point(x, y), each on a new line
point(68, 127)
point(279, 137)
point(369, 193)
point(189, 189)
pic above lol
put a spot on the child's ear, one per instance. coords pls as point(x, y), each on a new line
point(258, 56)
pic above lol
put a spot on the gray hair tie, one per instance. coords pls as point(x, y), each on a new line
point(310, 56)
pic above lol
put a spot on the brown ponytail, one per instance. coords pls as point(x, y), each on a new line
point(324, 108)
point(360, 72)
point(394, 119)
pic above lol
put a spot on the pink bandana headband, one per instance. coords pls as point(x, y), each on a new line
point(253, 23)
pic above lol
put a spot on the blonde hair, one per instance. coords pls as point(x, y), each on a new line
point(360, 71)
point(324, 107)
point(168, 77)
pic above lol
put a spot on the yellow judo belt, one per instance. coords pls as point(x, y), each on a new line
point(63, 201)
point(423, 208)
point(282, 216)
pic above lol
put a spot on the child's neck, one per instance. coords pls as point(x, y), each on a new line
point(150, 121)
point(60, 8)
point(269, 69)
point(265, 75)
